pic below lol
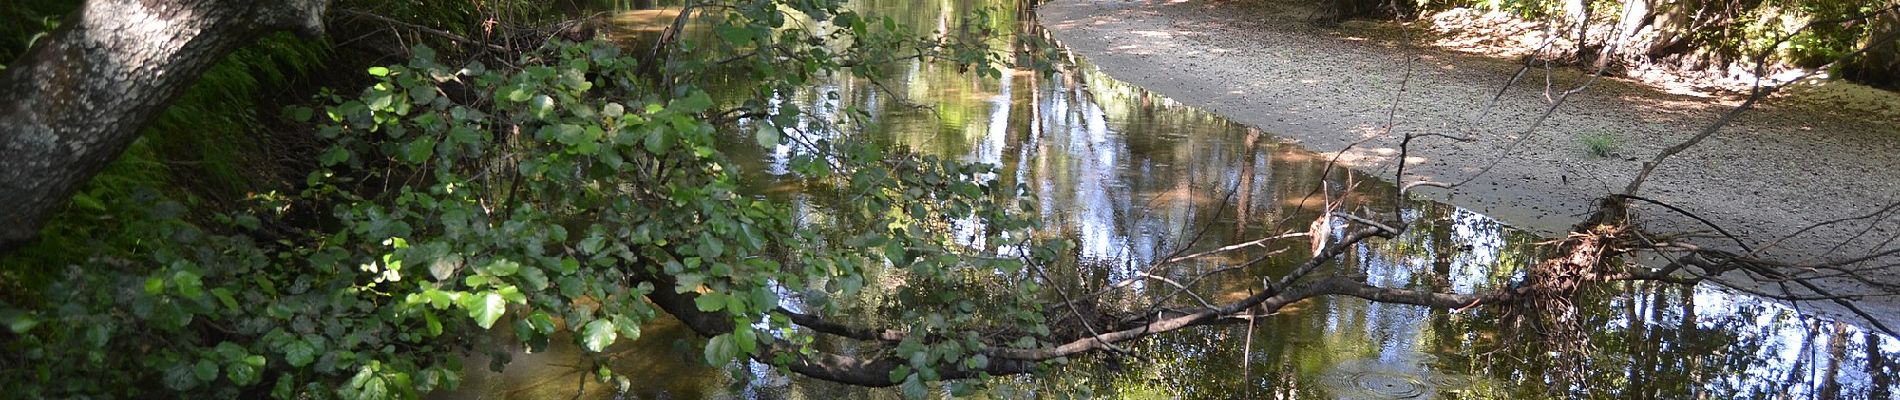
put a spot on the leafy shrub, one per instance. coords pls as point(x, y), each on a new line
point(549, 197)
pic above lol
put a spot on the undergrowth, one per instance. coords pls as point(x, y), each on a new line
point(201, 149)
point(1599, 144)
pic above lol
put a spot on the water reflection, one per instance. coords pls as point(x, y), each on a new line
point(1134, 178)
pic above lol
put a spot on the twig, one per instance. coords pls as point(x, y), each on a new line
point(419, 28)
point(1232, 247)
point(1755, 95)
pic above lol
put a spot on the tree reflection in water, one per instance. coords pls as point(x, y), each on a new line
point(1132, 177)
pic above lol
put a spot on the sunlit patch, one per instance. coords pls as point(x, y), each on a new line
point(1153, 34)
point(1368, 157)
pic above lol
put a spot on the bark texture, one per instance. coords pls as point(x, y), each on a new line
point(72, 104)
point(1881, 64)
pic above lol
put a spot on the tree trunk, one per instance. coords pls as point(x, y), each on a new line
point(1881, 381)
point(1576, 21)
point(72, 104)
point(1880, 66)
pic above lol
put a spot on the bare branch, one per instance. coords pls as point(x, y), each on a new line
point(1756, 94)
point(1223, 249)
point(451, 36)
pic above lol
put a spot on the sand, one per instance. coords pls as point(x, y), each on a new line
point(1816, 154)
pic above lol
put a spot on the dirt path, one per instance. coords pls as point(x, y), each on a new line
point(1833, 152)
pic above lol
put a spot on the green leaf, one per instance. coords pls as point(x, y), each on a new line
point(419, 151)
point(229, 351)
point(437, 298)
point(914, 387)
point(474, 68)
point(898, 374)
point(86, 201)
point(961, 389)
point(205, 370)
point(592, 244)
point(658, 143)
point(629, 331)
point(737, 35)
point(746, 339)
point(542, 106)
point(710, 301)
point(442, 268)
point(693, 103)
point(502, 267)
point(154, 286)
point(894, 251)
point(189, 285)
point(422, 53)
point(224, 296)
point(379, 71)
point(735, 304)
point(380, 100)
point(299, 353)
point(687, 282)
point(299, 113)
point(542, 323)
point(534, 278)
point(285, 387)
point(18, 322)
point(486, 309)
point(245, 372)
point(375, 388)
point(422, 95)
point(598, 335)
point(720, 350)
point(569, 134)
point(434, 324)
point(335, 155)
point(180, 377)
point(767, 136)
point(512, 294)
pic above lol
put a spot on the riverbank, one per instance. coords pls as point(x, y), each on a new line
point(1817, 154)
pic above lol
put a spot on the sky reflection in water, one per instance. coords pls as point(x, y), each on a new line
point(1131, 176)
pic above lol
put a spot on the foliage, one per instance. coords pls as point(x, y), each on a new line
point(199, 147)
point(1803, 33)
point(26, 22)
point(210, 135)
point(547, 197)
point(1599, 144)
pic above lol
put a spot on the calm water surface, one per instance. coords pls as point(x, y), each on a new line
point(1132, 177)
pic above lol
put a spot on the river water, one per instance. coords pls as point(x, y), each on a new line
point(1133, 177)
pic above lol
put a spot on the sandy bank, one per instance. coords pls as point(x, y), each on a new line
point(1795, 161)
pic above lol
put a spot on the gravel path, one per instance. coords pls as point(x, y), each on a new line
point(1820, 154)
